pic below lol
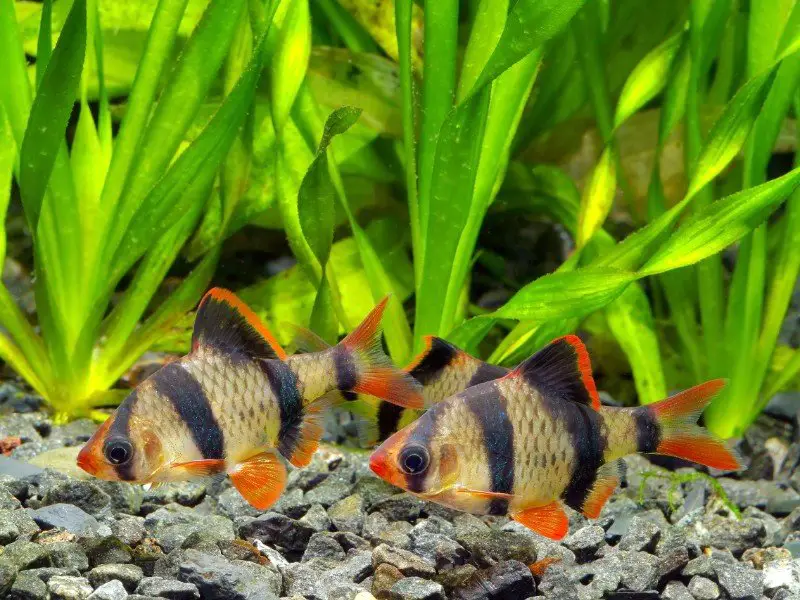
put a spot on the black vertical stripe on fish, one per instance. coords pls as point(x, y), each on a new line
point(421, 435)
point(190, 402)
point(491, 411)
point(583, 425)
point(120, 430)
point(388, 419)
point(486, 372)
point(283, 383)
point(346, 376)
point(438, 356)
point(648, 431)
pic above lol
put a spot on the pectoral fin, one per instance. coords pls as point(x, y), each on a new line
point(484, 494)
point(260, 479)
point(200, 468)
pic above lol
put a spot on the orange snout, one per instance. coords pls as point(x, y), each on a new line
point(90, 457)
point(383, 460)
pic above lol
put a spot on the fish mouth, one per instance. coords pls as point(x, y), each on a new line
point(87, 460)
point(379, 464)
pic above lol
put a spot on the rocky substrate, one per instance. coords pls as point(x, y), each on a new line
point(340, 533)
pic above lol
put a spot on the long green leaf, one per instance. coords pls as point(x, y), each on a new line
point(530, 24)
point(8, 155)
point(44, 135)
point(720, 224)
point(289, 65)
point(455, 167)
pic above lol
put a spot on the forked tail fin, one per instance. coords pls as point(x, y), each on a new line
point(363, 367)
point(670, 427)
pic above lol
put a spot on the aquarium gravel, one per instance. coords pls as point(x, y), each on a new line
point(339, 533)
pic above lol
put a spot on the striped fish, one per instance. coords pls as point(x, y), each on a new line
point(441, 369)
point(236, 402)
point(537, 439)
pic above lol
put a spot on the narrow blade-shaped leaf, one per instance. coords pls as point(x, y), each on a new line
point(44, 135)
point(720, 224)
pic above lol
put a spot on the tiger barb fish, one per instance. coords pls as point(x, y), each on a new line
point(237, 402)
point(537, 439)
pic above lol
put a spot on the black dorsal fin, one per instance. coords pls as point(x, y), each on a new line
point(561, 370)
point(430, 363)
point(227, 324)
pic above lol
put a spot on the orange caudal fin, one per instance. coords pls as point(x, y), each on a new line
point(550, 520)
point(260, 479)
point(670, 427)
point(227, 324)
point(562, 370)
point(363, 367)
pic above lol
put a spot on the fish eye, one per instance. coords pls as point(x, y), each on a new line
point(414, 460)
point(118, 452)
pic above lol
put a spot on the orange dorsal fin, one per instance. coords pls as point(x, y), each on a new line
point(226, 323)
point(200, 468)
point(562, 370)
point(260, 479)
point(608, 478)
point(549, 520)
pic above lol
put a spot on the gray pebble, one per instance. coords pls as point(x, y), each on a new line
point(328, 493)
point(69, 518)
point(408, 563)
point(323, 545)
point(703, 589)
point(675, 590)
point(8, 573)
point(220, 579)
point(112, 590)
point(555, 583)
point(28, 587)
point(275, 528)
point(438, 549)
point(45, 573)
point(585, 542)
point(69, 588)
point(594, 579)
point(782, 574)
point(348, 514)
point(8, 532)
point(317, 518)
point(167, 588)
point(106, 550)
point(736, 535)
point(26, 555)
point(82, 494)
point(21, 519)
point(293, 503)
point(740, 582)
point(68, 555)
point(509, 579)
point(639, 571)
point(400, 507)
point(129, 529)
point(415, 588)
point(128, 575)
point(187, 493)
point(642, 535)
point(490, 546)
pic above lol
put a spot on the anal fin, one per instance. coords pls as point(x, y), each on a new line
point(260, 479)
point(311, 428)
point(484, 494)
point(549, 520)
point(608, 478)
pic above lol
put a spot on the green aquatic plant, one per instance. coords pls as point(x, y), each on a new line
point(105, 208)
point(677, 479)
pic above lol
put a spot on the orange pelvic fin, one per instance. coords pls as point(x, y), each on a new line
point(260, 479)
point(561, 369)
point(200, 468)
point(224, 322)
point(375, 374)
point(550, 520)
point(680, 435)
point(608, 478)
